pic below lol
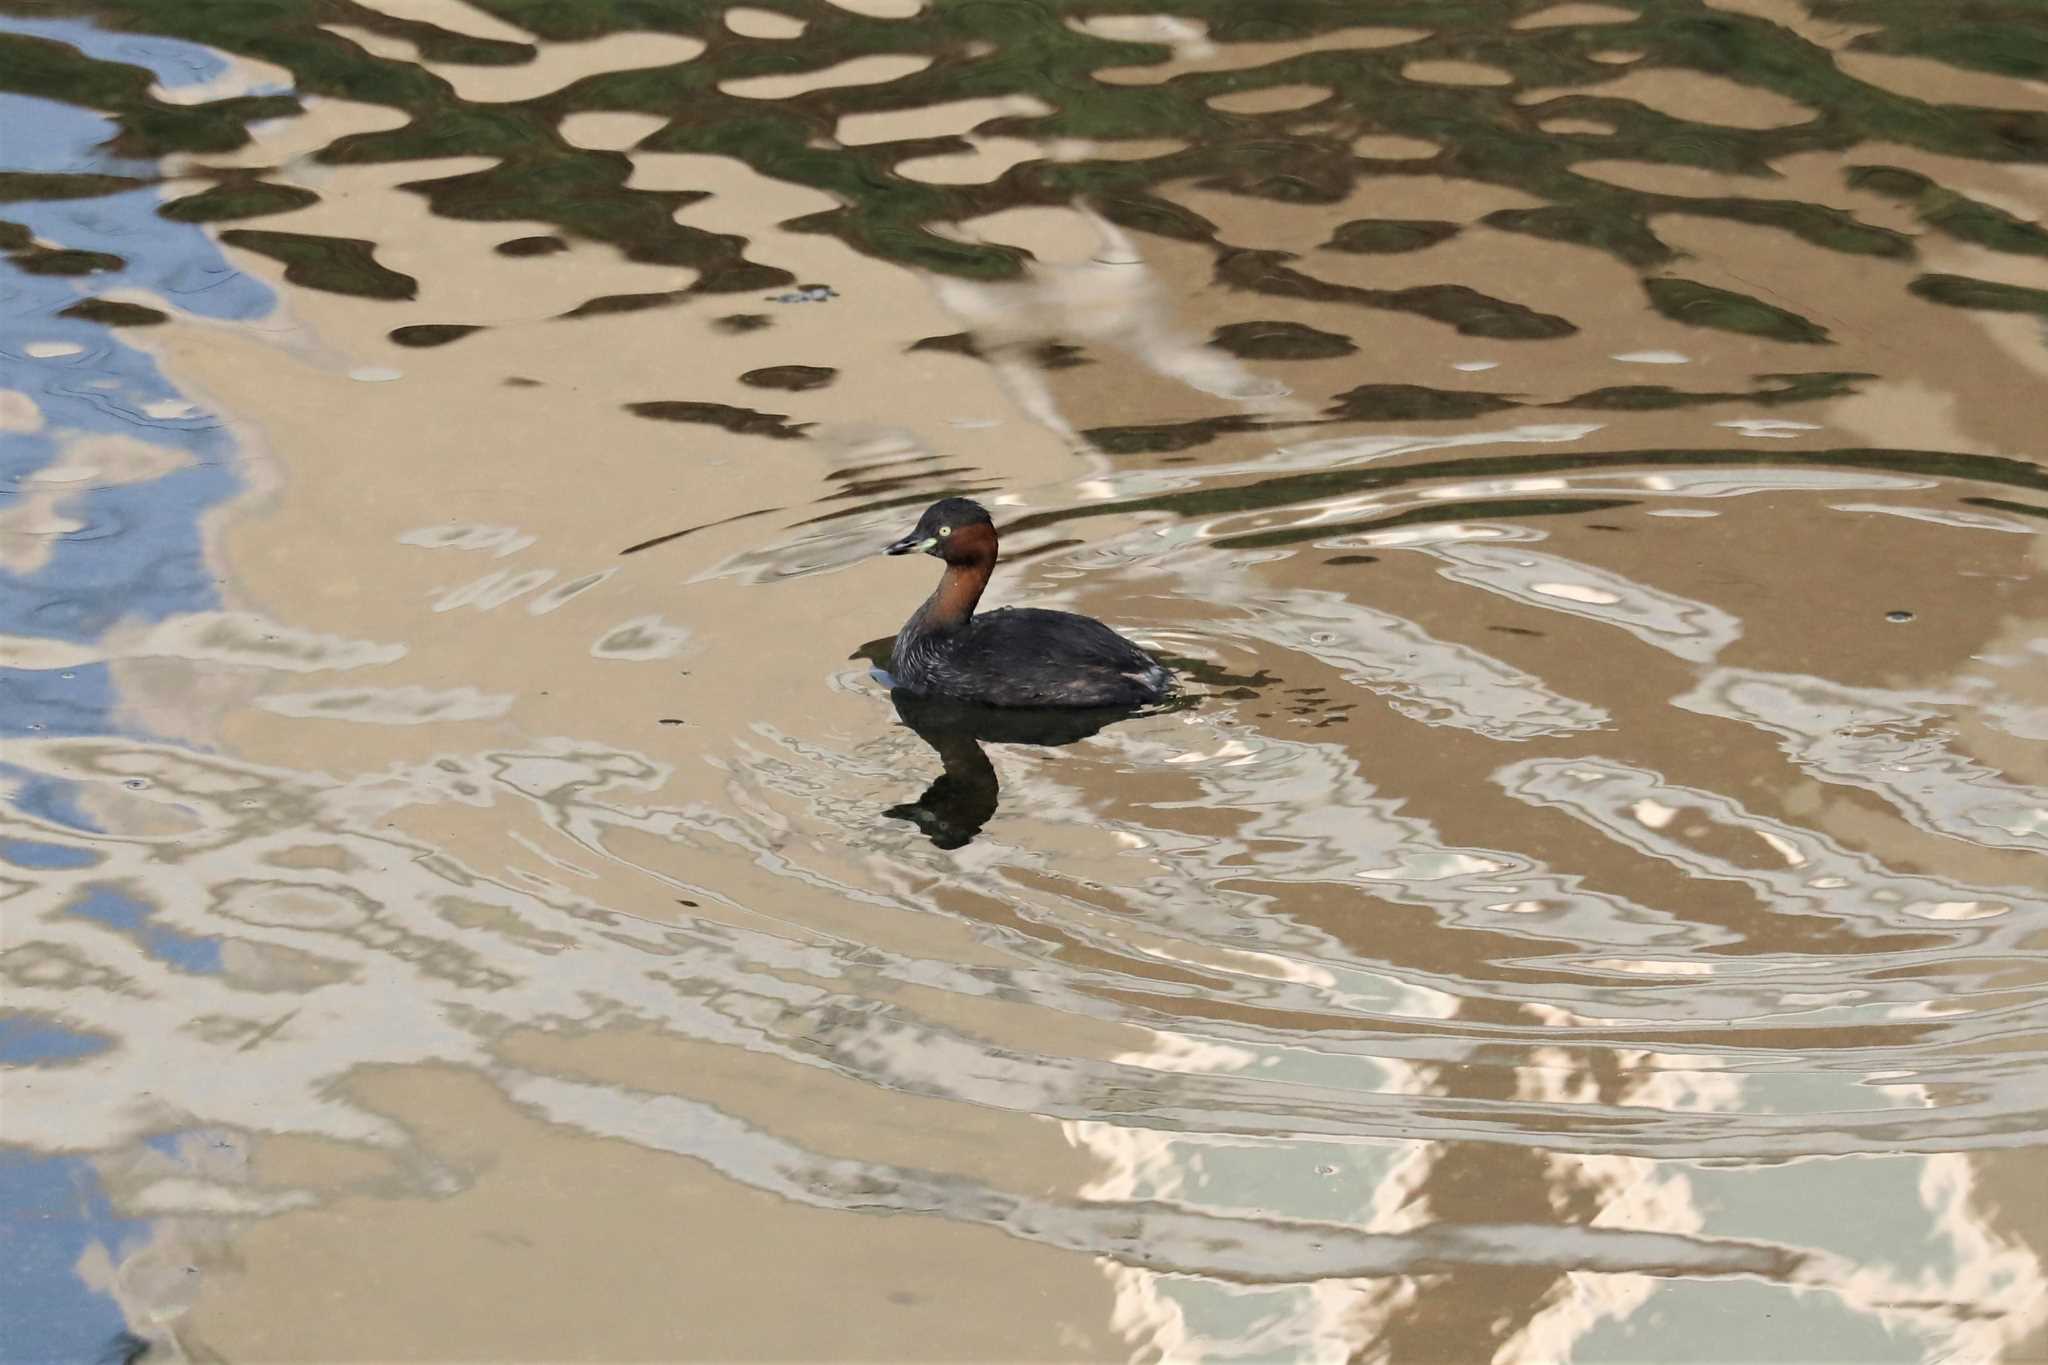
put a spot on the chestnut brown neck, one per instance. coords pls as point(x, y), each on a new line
point(970, 559)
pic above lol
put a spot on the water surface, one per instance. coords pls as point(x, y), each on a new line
point(465, 892)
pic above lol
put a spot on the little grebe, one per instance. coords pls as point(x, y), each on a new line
point(1014, 656)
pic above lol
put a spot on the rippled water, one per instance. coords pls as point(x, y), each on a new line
point(467, 893)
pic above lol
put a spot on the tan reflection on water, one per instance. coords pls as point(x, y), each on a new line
point(1584, 933)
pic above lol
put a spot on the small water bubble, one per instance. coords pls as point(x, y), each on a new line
point(1898, 617)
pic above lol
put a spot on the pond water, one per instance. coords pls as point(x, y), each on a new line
point(467, 892)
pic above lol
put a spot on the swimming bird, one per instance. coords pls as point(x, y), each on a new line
point(1014, 656)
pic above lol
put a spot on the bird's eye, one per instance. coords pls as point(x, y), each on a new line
point(945, 531)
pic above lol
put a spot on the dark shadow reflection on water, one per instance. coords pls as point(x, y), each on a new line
point(963, 798)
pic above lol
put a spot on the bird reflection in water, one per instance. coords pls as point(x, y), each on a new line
point(963, 798)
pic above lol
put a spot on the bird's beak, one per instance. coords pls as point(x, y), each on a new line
point(910, 544)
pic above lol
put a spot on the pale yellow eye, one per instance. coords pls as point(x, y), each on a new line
point(945, 531)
